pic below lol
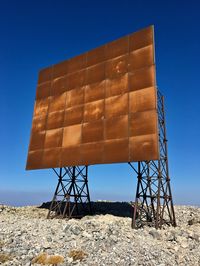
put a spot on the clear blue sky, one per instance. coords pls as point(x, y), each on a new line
point(35, 34)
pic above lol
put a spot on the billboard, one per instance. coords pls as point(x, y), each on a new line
point(98, 107)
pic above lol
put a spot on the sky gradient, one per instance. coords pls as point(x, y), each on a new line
point(36, 34)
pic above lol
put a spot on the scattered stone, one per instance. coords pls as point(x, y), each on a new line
point(46, 259)
point(86, 235)
point(75, 229)
point(49, 239)
point(155, 234)
point(77, 254)
point(184, 244)
point(171, 236)
point(196, 237)
point(4, 258)
point(194, 221)
point(97, 240)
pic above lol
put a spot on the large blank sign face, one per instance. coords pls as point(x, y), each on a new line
point(99, 107)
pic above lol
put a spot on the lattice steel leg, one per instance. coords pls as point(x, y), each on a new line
point(71, 197)
point(153, 202)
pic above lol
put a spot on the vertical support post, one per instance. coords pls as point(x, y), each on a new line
point(74, 189)
point(71, 197)
point(136, 197)
point(153, 202)
point(168, 200)
point(87, 190)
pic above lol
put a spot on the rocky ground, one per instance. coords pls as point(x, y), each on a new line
point(97, 240)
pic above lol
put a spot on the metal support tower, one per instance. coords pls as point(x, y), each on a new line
point(153, 202)
point(71, 197)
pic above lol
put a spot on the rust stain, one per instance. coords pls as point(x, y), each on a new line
point(98, 107)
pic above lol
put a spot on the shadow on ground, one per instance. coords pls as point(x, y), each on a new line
point(121, 209)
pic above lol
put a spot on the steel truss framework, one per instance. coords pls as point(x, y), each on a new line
point(153, 202)
point(71, 197)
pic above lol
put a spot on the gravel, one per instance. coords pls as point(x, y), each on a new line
point(97, 240)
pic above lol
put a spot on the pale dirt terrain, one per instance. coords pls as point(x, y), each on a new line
point(100, 239)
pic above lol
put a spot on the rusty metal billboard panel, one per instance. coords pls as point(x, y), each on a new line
point(98, 107)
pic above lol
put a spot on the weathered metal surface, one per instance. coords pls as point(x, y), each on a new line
point(142, 100)
point(73, 115)
point(117, 86)
point(57, 103)
point(93, 132)
point(55, 120)
point(51, 157)
point(74, 97)
point(34, 160)
point(37, 140)
point(116, 127)
point(98, 107)
point(95, 91)
point(53, 138)
point(72, 135)
point(94, 111)
point(116, 150)
point(93, 152)
point(116, 105)
point(144, 146)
